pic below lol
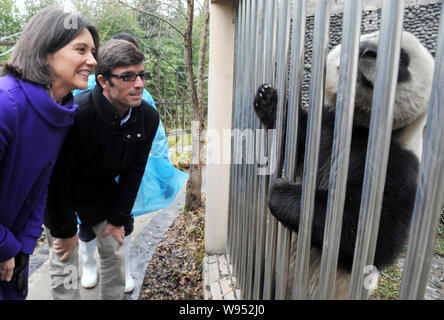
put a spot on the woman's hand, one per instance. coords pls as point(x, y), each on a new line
point(6, 269)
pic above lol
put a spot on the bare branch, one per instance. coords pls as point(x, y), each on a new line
point(202, 55)
point(173, 7)
point(5, 53)
point(153, 15)
point(11, 36)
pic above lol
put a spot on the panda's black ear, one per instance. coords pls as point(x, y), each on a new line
point(265, 104)
point(368, 50)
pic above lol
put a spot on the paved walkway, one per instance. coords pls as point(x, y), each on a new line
point(219, 283)
point(148, 231)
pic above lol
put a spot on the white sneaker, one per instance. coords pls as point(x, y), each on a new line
point(129, 281)
point(89, 265)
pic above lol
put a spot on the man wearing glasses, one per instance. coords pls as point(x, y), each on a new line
point(111, 136)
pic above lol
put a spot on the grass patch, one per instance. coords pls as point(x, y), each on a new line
point(390, 278)
point(177, 139)
point(389, 283)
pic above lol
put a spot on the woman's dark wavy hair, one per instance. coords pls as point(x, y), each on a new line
point(47, 31)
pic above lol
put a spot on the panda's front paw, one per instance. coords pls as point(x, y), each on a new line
point(285, 202)
point(265, 105)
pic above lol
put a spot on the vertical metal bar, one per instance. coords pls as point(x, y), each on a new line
point(260, 204)
point(234, 121)
point(284, 234)
point(270, 247)
point(341, 146)
point(239, 207)
point(233, 172)
point(281, 85)
point(294, 99)
point(250, 227)
point(246, 106)
point(270, 22)
point(238, 90)
point(387, 66)
point(238, 166)
point(430, 189)
point(320, 47)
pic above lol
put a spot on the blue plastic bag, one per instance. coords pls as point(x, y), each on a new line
point(161, 181)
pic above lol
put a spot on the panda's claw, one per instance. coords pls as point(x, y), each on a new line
point(265, 105)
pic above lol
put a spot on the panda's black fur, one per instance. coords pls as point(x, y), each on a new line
point(411, 105)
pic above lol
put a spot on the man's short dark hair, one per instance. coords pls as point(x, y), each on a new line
point(117, 53)
point(46, 32)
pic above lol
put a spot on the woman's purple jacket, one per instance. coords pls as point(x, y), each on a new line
point(32, 129)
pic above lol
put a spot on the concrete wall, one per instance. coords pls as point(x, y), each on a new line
point(220, 87)
point(338, 5)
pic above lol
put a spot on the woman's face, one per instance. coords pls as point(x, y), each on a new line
point(71, 65)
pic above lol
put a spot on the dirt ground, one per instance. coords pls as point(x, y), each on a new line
point(175, 270)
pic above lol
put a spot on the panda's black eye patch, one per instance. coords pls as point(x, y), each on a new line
point(404, 59)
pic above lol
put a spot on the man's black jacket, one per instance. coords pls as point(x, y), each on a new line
point(97, 150)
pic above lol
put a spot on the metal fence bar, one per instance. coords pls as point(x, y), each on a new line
point(296, 69)
point(250, 228)
point(242, 203)
point(277, 144)
point(270, 247)
point(320, 47)
point(234, 124)
point(341, 146)
point(283, 234)
point(378, 145)
point(261, 147)
point(295, 91)
point(430, 191)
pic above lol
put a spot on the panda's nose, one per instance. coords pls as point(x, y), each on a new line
point(368, 50)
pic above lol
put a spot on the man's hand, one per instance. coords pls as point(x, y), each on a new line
point(117, 232)
point(64, 247)
point(6, 269)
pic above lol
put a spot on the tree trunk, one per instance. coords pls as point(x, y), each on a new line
point(202, 56)
point(194, 197)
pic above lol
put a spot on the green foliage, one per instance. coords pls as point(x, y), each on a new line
point(10, 24)
point(389, 284)
point(161, 43)
point(109, 17)
point(9, 18)
point(32, 6)
point(13, 19)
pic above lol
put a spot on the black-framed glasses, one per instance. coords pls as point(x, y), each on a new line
point(131, 76)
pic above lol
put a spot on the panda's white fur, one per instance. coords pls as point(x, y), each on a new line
point(412, 97)
point(411, 104)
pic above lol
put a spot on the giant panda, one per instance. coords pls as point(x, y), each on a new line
point(411, 105)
